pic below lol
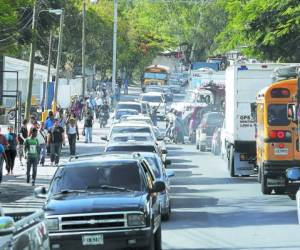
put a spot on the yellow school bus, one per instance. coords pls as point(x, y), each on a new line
point(156, 75)
point(276, 135)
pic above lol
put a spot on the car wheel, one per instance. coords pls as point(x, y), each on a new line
point(166, 216)
point(197, 145)
point(157, 239)
point(202, 148)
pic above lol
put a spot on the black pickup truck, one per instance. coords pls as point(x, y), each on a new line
point(107, 202)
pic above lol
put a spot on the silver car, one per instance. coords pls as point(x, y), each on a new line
point(164, 175)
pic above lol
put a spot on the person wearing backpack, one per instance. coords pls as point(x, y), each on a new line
point(11, 149)
point(31, 148)
point(88, 127)
point(56, 138)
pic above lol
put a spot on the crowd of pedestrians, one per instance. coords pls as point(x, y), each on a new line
point(36, 140)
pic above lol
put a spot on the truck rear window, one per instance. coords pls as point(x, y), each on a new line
point(277, 115)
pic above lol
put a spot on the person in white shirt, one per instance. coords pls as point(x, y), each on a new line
point(72, 132)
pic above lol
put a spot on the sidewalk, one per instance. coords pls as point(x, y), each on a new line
point(17, 196)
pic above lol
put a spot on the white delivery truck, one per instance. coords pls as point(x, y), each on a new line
point(243, 82)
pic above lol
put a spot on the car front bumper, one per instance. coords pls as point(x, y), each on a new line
point(112, 239)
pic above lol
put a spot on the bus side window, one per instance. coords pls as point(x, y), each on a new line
point(292, 114)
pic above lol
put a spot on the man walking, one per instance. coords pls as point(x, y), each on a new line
point(88, 127)
point(32, 154)
point(41, 137)
point(23, 134)
point(56, 139)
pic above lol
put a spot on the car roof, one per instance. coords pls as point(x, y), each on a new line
point(133, 103)
point(122, 110)
point(130, 134)
point(85, 160)
point(152, 94)
point(130, 143)
point(129, 124)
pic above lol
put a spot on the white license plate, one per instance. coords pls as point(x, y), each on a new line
point(281, 151)
point(280, 182)
point(96, 239)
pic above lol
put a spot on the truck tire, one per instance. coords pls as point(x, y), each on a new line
point(264, 188)
point(279, 190)
point(231, 162)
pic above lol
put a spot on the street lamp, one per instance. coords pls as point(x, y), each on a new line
point(114, 69)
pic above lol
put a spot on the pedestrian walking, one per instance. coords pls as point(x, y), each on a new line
point(72, 133)
point(11, 149)
point(55, 140)
point(22, 136)
point(2, 159)
point(49, 121)
point(42, 138)
point(88, 127)
point(31, 148)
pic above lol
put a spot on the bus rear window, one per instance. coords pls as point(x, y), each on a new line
point(277, 115)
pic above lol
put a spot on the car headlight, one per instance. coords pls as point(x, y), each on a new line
point(134, 220)
point(52, 224)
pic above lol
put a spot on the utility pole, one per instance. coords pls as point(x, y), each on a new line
point(58, 59)
point(83, 48)
point(48, 72)
point(31, 63)
point(114, 70)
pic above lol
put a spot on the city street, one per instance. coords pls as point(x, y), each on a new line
point(210, 210)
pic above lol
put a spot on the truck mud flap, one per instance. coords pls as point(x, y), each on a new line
point(242, 167)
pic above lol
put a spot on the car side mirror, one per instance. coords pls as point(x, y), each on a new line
point(40, 192)
point(168, 162)
point(7, 226)
point(292, 114)
point(170, 173)
point(164, 151)
point(104, 138)
point(158, 186)
point(293, 174)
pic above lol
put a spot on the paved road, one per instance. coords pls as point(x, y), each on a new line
point(210, 209)
point(213, 211)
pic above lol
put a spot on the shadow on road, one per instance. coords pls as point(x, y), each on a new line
point(211, 180)
point(181, 166)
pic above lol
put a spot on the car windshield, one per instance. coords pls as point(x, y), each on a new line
point(120, 113)
point(131, 129)
point(277, 115)
point(97, 176)
point(133, 106)
point(149, 98)
point(155, 165)
point(131, 148)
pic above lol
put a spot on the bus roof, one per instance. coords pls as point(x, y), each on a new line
point(291, 84)
point(158, 66)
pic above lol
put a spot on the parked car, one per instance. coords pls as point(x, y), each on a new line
point(163, 175)
point(209, 122)
point(23, 231)
point(104, 202)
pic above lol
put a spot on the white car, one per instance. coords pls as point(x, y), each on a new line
point(156, 101)
point(137, 118)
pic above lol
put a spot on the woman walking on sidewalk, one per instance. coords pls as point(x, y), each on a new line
point(72, 132)
point(11, 149)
